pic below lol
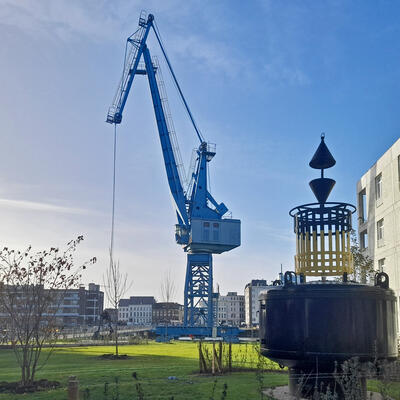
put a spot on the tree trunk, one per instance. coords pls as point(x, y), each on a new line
point(202, 361)
point(213, 359)
point(216, 357)
point(200, 358)
point(220, 357)
point(230, 357)
point(23, 375)
point(25, 378)
point(116, 339)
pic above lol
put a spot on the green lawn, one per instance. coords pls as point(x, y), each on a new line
point(153, 363)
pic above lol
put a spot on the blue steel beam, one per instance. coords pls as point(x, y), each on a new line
point(122, 96)
point(198, 309)
point(198, 304)
point(166, 145)
point(199, 135)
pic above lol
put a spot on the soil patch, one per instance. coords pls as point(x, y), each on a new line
point(114, 357)
point(16, 387)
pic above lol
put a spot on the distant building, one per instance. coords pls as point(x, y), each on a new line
point(378, 194)
point(91, 303)
point(81, 306)
point(167, 313)
point(252, 306)
point(137, 310)
point(76, 307)
point(231, 309)
point(112, 313)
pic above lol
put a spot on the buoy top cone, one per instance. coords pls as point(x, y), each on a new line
point(322, 158)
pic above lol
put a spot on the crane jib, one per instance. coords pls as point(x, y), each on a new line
point(166, 145)
point(130, 67)
point(196, 202)
point(201, 228)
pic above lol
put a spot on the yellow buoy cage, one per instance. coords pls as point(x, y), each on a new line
point(323, 254)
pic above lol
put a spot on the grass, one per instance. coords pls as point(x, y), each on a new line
point(153, 363)
point(392, 389)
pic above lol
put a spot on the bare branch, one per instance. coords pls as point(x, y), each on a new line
point(32, 289)
point(116, 285)
point(363, 264)
point(167, 287)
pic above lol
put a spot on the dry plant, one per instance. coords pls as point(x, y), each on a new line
point(215, 357)
point(116, 285)
point(32, 291)
point(363, 264)
point(168, 291)
point(167, 287)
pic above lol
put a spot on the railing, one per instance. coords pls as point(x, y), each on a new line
point(170, 123)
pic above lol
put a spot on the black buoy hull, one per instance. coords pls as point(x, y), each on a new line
point(301, 325)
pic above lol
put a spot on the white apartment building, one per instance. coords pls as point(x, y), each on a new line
point(378, 194)
point(231, 309)
point(252, 306)
point(137, 310)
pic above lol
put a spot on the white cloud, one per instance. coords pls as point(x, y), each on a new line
point(72, 19)
point(61, 19)
point(273, 232)
point(279, 72)
point(213, 56)
point(36, 206)
point(284, 43)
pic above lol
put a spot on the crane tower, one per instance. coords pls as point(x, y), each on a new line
point(202, 227)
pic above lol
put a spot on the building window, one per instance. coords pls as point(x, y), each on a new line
point(380, 232)
point(378, 188)
point(364, 240)
point(206, 231)
point(362, 206)
point(216, 231)
point(381, 265)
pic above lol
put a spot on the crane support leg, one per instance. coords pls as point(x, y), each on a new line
point(198, 302)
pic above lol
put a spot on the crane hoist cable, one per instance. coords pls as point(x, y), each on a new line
point(113, 195)
point(186, 106)
point(158, 36)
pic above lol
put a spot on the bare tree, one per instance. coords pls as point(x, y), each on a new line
point(116, 285)
point(32, 290)
point(167, 287)
point(363, 263)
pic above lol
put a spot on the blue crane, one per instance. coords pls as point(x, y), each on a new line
point(202, 229)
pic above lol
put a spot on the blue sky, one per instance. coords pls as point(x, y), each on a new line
point(263, 79)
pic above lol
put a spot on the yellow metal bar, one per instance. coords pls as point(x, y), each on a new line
point(343, 250)
point(350, 265)
point(330, 247)
point(315, 252)
point(337, 250)
point(322, 240)
point(301, 247)
point(308, 253)
point(297, 254)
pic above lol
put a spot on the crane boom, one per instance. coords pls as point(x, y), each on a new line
point(132, 58)
point(201, 229)
point(174, 181)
